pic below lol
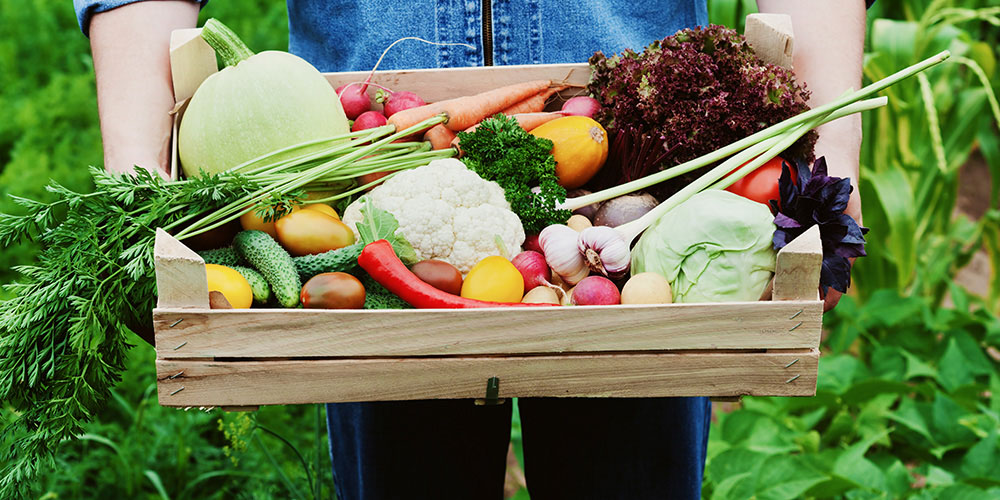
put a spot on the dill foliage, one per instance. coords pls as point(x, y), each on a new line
point(63, 335)
point(500, 150)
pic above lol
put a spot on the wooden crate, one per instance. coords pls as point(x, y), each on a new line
point(245, 358)
point(255, 357)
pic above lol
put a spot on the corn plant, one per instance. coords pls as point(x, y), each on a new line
point(914, 147)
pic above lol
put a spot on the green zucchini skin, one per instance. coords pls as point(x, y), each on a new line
point(258, 284)
point(267, 256)
point(340, 260)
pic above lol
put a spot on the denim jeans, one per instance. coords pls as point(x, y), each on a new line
point(574, 448)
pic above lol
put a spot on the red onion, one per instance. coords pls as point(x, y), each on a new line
point(533, 268)
point(581, 105)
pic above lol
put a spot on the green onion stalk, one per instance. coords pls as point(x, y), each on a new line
point(342, 161)
point(759, 147)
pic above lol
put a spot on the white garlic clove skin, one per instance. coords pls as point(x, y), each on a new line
point(559, 245)
point(605, 251)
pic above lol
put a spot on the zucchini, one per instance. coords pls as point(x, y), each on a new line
point(339, 260)
point(258, 284)
point(267, 256)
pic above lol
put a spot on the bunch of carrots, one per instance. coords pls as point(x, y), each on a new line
point(523, 101)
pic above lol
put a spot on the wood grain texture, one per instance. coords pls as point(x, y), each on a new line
point(338, 333)
point(220, 383)
point(181, 281)
point(446, 83)
point(192, 60)
point(771, 37)
point(796, 272)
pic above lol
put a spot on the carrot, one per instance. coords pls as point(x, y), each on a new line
point(533, 104)
point(464, 112)
point(527, 121)
point(439, 136)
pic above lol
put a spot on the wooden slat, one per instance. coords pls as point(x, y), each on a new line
point(440, 84)
point(218, 383)
point(180, 274)
point(331, 333)
point(796, 272)
point(192, 60)
point(771, 37)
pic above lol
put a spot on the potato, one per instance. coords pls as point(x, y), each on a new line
point(647, 288)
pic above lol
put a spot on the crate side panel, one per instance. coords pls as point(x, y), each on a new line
point(234, 383)
point(328, 333)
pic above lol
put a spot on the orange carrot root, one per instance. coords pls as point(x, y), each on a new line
point(439, 136)
point(464, 112)
point(533, 104)
point(527, 121)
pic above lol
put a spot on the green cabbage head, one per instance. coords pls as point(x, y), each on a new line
point(714, 247)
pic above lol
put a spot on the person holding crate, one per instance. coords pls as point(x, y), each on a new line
point(574, 448)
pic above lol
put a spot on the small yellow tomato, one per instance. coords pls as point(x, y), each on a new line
point(322, 208)
point(251, 220)
point(230, 284)
point(494, 279)
point(306, 232)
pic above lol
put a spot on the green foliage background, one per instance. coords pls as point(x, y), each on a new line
point(908, 401)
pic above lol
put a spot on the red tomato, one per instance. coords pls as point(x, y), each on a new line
point(439, 274)
point(333, 291)
point(761, 185)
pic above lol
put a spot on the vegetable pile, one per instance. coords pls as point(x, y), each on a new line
point(262, 203)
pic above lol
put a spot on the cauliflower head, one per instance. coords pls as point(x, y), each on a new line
point(447, 212)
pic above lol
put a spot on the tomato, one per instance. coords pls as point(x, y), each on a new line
point(306, 232)
point(333, 291)
point(322, 208)
point(494, 279)
point(761, 185)
point(372, 177)
point(230, 284)
point(252, 221)
point(439, 274)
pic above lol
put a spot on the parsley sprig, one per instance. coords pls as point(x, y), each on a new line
point(500, 150)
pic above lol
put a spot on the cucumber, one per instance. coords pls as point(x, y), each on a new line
point(267, 256)
point(224, 256)
point(339, 260)
point(258, 284)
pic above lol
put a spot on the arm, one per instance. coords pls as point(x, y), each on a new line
point(829, 53)
point(130, 45)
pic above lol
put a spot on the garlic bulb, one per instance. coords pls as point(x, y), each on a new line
point(604, 251)
point(559, 244)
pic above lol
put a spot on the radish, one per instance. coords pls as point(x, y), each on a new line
point(367, 120)
point(581, 105)
point(398, 101)
point(531, 243)
point(533, 268)
point(354, 99)
point(595, 291)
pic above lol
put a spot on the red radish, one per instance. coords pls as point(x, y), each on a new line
point(533, 268)
point(367, 120)
point(531, 243)
point(398, 101)
point(596, 291)
point(354, 100)
point(582, 105)
point(464, 112)
point(533, 104)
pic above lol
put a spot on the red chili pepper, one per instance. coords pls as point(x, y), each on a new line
point(382, 264)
